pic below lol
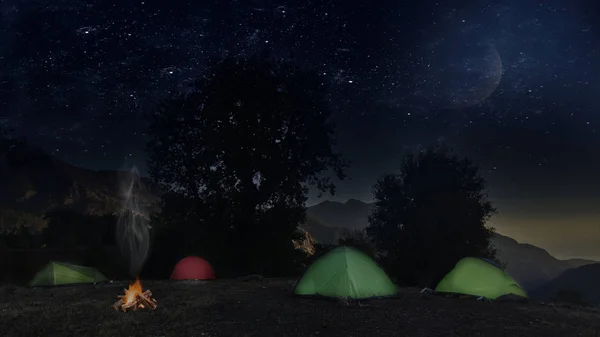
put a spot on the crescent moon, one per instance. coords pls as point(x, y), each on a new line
point(486, 85)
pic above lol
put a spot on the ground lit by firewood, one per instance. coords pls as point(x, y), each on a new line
point(266, 308)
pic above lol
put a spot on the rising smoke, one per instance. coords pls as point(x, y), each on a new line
point(133, 232)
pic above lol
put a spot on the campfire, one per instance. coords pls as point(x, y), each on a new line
point(135, 299)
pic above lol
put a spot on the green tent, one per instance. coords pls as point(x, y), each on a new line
point(345, 272)
point(61, 273)
point(479, 277)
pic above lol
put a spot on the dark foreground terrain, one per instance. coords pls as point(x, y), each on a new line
point(266, 308)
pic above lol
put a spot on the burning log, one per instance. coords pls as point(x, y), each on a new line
point(146, 301)
point(135, 299)
point(118, 304)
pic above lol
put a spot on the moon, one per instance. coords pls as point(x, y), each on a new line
point(481, 81)
point(460, 73)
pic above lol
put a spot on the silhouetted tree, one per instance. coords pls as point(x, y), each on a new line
point(236, 156)
point(358, 239)
point(430, 215)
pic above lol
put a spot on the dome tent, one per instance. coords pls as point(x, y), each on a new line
point(62, 273)
point(345, 272)
point(479, 277)
point(193, 268)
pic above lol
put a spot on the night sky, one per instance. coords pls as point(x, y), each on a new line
point(513, 84)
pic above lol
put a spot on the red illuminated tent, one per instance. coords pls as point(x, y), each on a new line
point(193, 268)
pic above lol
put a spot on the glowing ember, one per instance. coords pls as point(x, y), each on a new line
point(135, 298)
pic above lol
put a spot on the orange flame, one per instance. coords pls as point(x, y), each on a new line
point(134, 290)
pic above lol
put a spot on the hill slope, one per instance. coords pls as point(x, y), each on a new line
point(531, 266)
point(34, 182)
point(583, 281)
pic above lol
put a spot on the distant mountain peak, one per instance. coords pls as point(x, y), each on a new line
point(352, 214)
point(349, 202)
point(355, 201)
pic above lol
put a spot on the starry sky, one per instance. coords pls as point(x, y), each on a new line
point(512, 84)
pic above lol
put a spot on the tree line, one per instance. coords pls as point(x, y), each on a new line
point(236, 156)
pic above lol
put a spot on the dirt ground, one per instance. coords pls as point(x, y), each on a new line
point(267, 308)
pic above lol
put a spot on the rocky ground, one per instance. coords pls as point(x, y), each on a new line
point(267, 308)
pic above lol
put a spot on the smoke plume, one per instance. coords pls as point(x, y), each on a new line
point(133, 233)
